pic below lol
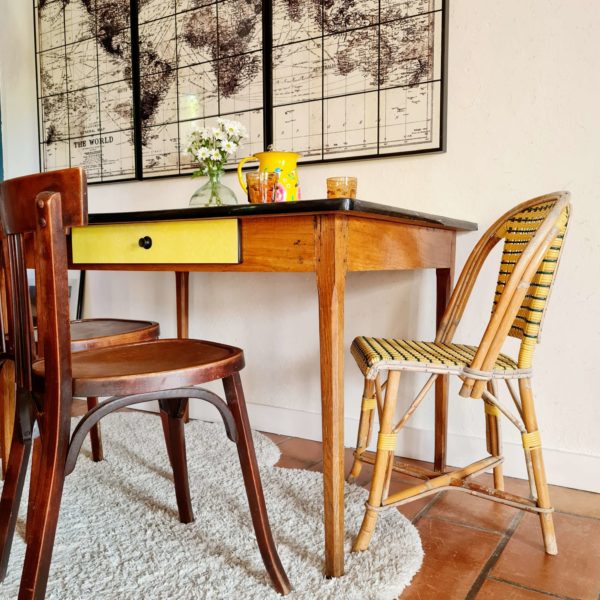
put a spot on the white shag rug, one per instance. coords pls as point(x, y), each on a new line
point(119, 537)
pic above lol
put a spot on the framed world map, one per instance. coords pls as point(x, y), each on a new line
point(122, 83)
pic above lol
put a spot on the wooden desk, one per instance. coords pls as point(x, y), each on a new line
point(329, 238)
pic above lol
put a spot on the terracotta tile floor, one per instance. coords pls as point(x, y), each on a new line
point(478, 549)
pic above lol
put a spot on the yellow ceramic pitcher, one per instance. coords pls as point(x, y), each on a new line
point(283, 163)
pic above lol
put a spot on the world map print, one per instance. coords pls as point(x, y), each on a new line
point(357, 77)
point(198, 61)
point(120, 92)
point(85, 87)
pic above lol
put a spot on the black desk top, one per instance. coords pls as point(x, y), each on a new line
point(280, 208)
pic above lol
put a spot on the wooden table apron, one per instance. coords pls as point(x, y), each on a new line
point(329, 240)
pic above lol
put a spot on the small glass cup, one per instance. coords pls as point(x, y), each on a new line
point(262, 187)
point(341, 187)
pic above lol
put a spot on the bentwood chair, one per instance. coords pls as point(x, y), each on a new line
point(91, 334)
point(164, 370)
point(533, 234)
point(86, 334)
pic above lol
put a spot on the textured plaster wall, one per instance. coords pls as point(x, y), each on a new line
point(523, 119)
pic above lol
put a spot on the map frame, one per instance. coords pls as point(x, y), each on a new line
point(439, 116)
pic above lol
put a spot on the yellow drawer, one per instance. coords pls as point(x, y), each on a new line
point(207, 241)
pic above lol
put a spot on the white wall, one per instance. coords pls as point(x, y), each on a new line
point(523, 119)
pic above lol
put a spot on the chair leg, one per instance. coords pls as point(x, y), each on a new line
point(7, 411)
point(95, 434)
point(365, 427)
point(12, 491)
point(172, 415)
point(258, 510)
point(493, 434)
point(382, 460)
point(33, 484)
point(539, 472)
point(164, 419)
point(388, 475)
point(45, 517)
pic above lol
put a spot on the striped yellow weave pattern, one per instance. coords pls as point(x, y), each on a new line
point(517, 233)
point(368, 351)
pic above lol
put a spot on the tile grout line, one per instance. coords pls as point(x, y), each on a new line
point(572, 514)
point(497, 532)
point(285, 439)
point(493, 559)
point(423, 512)
point(529, 589)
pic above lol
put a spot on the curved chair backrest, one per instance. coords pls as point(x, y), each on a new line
point(533, 234)
point(517, 232)
point(18, 193)
point(41, 206)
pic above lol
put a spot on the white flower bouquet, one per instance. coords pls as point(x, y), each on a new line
point(211, 148)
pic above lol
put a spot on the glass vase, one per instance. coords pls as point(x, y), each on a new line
point(213, 192)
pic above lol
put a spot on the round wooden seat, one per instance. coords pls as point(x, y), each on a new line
point(90, 334)
point(93, 334)
point(143, 367)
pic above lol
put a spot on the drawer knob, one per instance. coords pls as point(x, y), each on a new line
point(145, 242)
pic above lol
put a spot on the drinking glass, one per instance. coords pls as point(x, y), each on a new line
point(262, 186)
point(341, 187)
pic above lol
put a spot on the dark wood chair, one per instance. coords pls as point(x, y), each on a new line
point(164, 370)
point(91, 334)
point(86, 334)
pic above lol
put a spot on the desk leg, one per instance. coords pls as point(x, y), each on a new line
point(182, 284)
point(444, 289)
point(331, 243)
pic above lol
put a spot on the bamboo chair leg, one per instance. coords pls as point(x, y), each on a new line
point(365, 427)
point(95, 434)
point(252, 482)
point(12, 492)
point(45, 517)
point(173, 412)
point(539, 472)
point(530, 475)
point(382, 459)
point(494, 439)
point(388, 475)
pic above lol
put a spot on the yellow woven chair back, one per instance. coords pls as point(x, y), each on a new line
point(517, 232)
point(530, 258)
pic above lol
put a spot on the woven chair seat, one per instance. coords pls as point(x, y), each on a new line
point(374, 354)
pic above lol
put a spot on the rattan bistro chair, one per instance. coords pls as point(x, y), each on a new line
point(165, 370)
point(533, 234)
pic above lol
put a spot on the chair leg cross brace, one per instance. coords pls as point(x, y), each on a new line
point(116, 402)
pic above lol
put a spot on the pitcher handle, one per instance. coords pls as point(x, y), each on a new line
point(239, 171)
